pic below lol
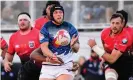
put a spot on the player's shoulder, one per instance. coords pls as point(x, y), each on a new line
point(47, 24)
point(106, 30)
point(14, 35)
point(67, 23)
point(40, 19)
point(34, 30)
point(129, 29)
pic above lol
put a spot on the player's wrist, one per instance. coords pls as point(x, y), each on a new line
point(73, 46)
point(53, 57)
point(98, 50)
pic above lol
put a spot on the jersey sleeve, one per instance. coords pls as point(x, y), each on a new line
point(36, 32)
point(3, 43)
point(11, 49)
point(121, 47)
point(44, 34)
point(125, 41)
point(73, 30)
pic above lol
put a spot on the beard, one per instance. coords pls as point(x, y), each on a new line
point(94, 57)
point(58, 21)
point(24, 28)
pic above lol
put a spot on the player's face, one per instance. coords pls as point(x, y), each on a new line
point(48, 10)
point(116, 25)
point(24, 24)
point(94, 55)
point(58, 16)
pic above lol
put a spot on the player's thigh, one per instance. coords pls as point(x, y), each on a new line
point(65, 77)
point(45, 79)
point(22, 75)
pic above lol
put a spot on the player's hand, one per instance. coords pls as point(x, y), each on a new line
point(74, 40)
point(101, 64)
point(75, 66)
point(7, 66)
point(57, 60)
point(91, 42)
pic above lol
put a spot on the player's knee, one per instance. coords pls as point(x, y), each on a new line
point(111, 74)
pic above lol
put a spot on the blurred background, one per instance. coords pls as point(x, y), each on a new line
point(89, 17)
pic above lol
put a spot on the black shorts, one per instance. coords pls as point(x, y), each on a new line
point(29, 71)
point(124, 71)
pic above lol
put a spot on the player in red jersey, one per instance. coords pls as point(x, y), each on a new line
point(3, 47)
point(130, 30)
point(46, 14)
point(23, 42)
point(117, 42)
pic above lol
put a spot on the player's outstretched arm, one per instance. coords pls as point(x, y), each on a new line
point(109, 57)
point(47, 52)
point(112, 57)
point(37, 55)
point(74, 44)
point(4, 50)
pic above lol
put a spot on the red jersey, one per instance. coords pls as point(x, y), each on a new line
point(121, 42)
point(40, 22)
point(23, 45)
point(3, 43)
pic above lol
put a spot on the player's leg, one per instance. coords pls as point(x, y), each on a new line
point(48, 72)
point(65, 72)
point(65, 77)
point(21, 74)
point(111, 74)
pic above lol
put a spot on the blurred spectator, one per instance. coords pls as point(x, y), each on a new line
point(91, 68)
point(68, 8)
point(128, 7)
point(96, 11)
point(6, 15)
point(81, 61)
point(10, 9)
point(85, 15)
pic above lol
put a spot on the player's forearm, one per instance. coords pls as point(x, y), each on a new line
point(46, 51)
point(109, 58)
point(8, 57)
point(75, 47)
point(37, 55)
point(4, 52)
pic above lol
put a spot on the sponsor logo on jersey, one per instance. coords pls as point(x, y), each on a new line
point(17, 46)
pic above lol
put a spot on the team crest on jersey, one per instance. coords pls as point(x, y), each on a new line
point(31, 44)
point(124, 41)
